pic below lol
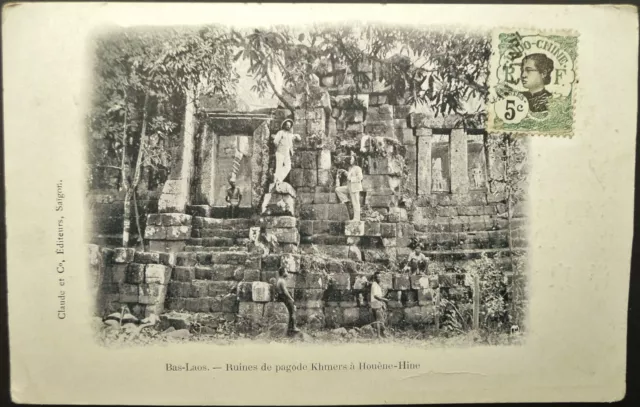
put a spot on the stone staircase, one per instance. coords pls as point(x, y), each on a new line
point(227, 234)
point(215, 259)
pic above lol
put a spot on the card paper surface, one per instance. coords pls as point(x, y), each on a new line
point(318, 204)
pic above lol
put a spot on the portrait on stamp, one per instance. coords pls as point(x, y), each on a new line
point(532, 83)
point(535, 74)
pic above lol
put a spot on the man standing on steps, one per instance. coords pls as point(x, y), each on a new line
point(351, 191)
point(283, 140)
point(378, 305)
point(284, 296)
point(233, 197)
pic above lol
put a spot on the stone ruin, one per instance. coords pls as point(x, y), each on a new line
point(431, 188)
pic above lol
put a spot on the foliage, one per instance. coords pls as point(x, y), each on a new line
point(442, 69)
point(511, 180)
point(493, 306)
point(163, 64)
point(455, 318)
point(143, 79)
point(512, 176)
point(320, 140)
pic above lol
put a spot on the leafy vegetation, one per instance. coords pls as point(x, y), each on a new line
point(440, 68)
point(144, 81)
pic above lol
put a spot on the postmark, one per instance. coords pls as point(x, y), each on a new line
point(533, 81)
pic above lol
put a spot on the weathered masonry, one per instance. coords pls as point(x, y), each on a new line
point(427, 180)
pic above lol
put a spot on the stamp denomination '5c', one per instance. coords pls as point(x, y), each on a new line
point(533, 79)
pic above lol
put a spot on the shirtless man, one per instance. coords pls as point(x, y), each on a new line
point(233, 198)
point(284, 296)
point(378, 305)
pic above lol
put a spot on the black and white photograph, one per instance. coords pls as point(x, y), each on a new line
point(303, 183)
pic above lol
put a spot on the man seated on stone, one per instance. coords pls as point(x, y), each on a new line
point(351, 191)
point(285, 297)
point(378, 305)
point(233, 197)
point(417, 262)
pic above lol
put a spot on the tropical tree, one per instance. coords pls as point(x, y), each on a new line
point(442, 69)
point(145, 80)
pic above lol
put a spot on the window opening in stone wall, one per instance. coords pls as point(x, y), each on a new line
point(440, 164)
point(477, 169)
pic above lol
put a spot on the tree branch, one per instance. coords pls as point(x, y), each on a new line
point(278, 95)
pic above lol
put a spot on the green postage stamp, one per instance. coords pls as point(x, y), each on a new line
point(532, 82)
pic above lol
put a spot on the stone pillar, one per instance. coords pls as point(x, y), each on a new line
point(207, 161)
point(167, 232)
point(323, 161)
point(259, 162)
point(423, 143)
point(279, 217)
point(458, 165)
point(175, 193)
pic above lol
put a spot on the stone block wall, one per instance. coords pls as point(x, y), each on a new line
point(167, 231)
point(211, 232)
point(458, 224)
point(229, 283)
point(201, 264)
point(236, 286)
point(138, 280)
point(106, 213)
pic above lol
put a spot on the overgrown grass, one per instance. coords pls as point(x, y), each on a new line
point(421, 338)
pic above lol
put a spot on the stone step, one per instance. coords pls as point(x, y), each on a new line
point(211, 249)
point(217, 241)
point(217, 211)
point(466, 224)
point(325, 239)
point(232, 233)
point(463, 254)
point(466, 240)
point(200, 222)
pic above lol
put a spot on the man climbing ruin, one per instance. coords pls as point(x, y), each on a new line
point(351, 191)
point(283, 140)
point(284, 296)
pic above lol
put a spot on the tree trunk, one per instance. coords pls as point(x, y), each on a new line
point(127, 218)
point(126, 230)
point(123, 169)
point(140, 231)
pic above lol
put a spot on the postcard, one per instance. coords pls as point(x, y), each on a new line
point(318, 204)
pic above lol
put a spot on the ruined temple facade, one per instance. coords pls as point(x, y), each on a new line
point(429, 184)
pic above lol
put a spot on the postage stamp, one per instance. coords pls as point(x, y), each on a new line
point(532, 82)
